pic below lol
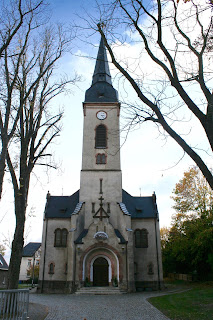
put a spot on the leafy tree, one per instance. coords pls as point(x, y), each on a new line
point(164, 33)
point(189, 244)
point(33, 272)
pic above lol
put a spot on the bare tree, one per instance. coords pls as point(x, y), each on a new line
point(30, 87)
point(164, 33)
point(14, 15)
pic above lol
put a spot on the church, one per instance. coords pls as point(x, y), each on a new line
point(100, 236)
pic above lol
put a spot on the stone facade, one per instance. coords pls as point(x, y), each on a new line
point(101, 235)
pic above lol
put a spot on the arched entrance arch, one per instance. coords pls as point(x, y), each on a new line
point(115, 268)
point(100, 270)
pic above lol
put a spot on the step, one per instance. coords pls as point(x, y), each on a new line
point(99, 290)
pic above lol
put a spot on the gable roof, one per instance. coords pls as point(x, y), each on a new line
point(61, 206)
point(3, 263)
point(140, 207)
point(30, 249)
point(137, 207)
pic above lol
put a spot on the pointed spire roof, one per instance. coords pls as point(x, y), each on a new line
point(101, 71)
point(101, 89)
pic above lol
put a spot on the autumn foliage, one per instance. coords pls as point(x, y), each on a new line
point(187, 247)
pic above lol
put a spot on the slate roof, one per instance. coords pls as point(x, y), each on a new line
point(81, 236)
point(140, 207)
point(61, 206)
point(101, 89)
point(3, 263)
point(65, 206)
point(119, 235)
point(30, 249)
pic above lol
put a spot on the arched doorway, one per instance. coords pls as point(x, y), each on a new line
point(100, 272)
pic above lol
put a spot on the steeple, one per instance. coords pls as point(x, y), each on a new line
point(101, 89)
point(102, 72)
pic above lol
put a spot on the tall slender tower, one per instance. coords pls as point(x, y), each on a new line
point(101, 173)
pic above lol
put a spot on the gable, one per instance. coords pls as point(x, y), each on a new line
point(61, 206)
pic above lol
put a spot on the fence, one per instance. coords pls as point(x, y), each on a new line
point(14, 304)
point(180, 276)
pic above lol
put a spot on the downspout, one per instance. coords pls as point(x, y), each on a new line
point(74, 268)
point(45, 242)
point(156, 239)
point(159, 286)
point(127, 269)
point(45, 245)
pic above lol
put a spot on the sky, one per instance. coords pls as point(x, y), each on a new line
point(149, 161)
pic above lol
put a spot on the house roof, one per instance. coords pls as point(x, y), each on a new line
point(101, 89)
point(140, 207)
point(61, 206)
point(30, 249)
point(3, 263)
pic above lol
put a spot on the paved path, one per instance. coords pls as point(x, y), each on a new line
point(92, 307)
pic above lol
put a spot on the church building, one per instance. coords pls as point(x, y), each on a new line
point(100, 236)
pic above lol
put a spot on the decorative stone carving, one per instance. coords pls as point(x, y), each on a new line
point(101, 235)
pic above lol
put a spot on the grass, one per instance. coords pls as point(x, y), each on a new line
point(194, 304)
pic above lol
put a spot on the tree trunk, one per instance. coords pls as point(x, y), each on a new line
point(2, 162)
point(18, 242)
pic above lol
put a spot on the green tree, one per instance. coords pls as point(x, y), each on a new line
point(33, 272)
point(189, 244)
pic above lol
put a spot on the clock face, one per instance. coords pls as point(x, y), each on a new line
point(101, 115)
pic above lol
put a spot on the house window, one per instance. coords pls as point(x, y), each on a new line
point(29, 263)
point(100, 158)
point(141, 238)
point(60, 238)
point(51, 268)
point(101, 137)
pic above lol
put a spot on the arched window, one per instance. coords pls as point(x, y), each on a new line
point(141, 238)
point(64, 237)
point(101, 137)
point(57, 238)
point(100, 158)
point(51, 268)
point(60, 237)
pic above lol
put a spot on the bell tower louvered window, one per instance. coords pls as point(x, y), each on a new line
point(101, 137)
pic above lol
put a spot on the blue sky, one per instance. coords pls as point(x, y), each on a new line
point(149, 162)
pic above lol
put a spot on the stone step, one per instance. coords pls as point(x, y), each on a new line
point(99, 290)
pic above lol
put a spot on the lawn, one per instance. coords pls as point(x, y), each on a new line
point(194, 304)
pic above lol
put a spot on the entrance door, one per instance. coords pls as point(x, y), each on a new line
point(100, 272)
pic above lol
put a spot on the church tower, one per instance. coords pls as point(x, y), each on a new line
point(101, 173)
point(100, 236)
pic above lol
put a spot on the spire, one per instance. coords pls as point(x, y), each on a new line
point(101, 89)
point(102, 72)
